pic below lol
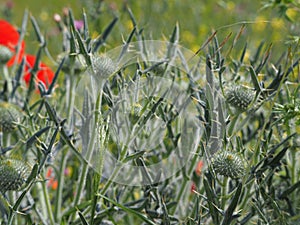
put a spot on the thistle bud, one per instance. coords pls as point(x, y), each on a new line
point(13, 174)
point(5, 55)
point(9, 116)
point(228, 164)
point(239, 97)
point(77, 64)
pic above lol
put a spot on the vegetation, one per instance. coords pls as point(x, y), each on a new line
point(140, 112)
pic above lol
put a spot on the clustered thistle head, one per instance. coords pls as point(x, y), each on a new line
point(13, 174)
point(9, 116)
point(239, 97)
point(228, 164)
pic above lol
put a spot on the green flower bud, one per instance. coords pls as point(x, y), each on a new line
point(13, 174)
point(228, 164)
point(77, 64)
point(5, 54)
point(10, 115)
point(239, 97)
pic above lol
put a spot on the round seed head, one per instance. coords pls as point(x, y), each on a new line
point(5, 54)
point(9, 116)
point(13, 174)
point(103, 66)
point(228, 164)
point(239, 97)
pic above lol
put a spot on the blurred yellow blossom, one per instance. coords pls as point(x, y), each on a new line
point(129, 25)
point(247, 56)
point(230, 5)
point(203, 30)
point(260, 24)
point(291, 13)
point(188, 36)
point(277, 23)
point(44, 16)
point(95, 34)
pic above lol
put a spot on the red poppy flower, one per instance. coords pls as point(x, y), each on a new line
point(44, 74)
point(9, 37)
point(199, 167)
point(51, 181)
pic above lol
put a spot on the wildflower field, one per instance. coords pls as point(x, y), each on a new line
point(149, 112)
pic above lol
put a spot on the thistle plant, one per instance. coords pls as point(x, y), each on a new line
point(148, 132)
point(10, 116)
point(239, 97)
point(228, 164)
point(14, 174)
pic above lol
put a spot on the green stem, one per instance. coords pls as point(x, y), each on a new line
point(185, 181)
point(12, 198)
point(247, 197)
point(6, 77)
point(59, 191)
point(91, 146)
point(47, 203)
point(224, 192)
point(70, 96)
point(15, 208)
point(110, 180)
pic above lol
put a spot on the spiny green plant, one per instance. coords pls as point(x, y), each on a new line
point(58, 133)
point(229, 164)
point(10, 116)
point(13, 174)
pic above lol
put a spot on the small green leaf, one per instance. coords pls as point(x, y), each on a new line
point(33, 174)
point(82, 218)
point(103, 36)
point(211, 202)
point(128, 210)
point(51, 112)
point(289, 190)
point(83, 49)
point(36, 28)
point(55, 78)
point(229, 211)
point(36, 135)
point(133, 156)
point(255, 80)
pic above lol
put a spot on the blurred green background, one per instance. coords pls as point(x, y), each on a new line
point(197, 20)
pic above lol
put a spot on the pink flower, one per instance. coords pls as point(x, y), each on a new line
point(78, 24)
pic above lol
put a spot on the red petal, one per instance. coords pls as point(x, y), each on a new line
point(44, 74)
point(21, 54)
point(9, 37)
point(199, 167)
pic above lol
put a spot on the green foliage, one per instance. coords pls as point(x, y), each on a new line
point(249, 157)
